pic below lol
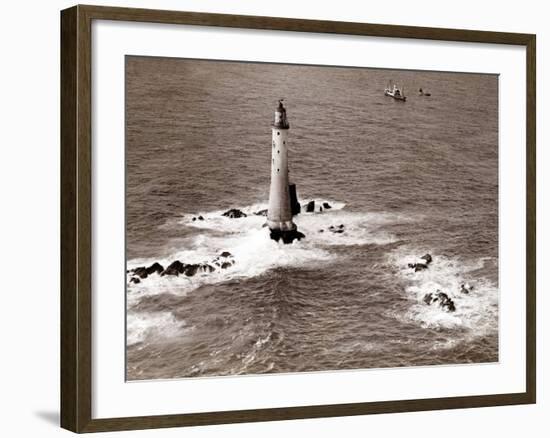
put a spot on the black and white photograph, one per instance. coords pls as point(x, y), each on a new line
point(300, 218)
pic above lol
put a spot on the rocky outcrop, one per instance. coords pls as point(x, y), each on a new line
point(440, 298)
point(421, 266)
point(326, 206)
point(198, 218)
point(177, 268)
point(261, 212)
point(224, 260)
point(144, 272)
point(427, 257)
point(310, 207)
point(466, 288)
point(234, 213)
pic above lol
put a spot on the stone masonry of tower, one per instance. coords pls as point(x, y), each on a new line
point(279, 212)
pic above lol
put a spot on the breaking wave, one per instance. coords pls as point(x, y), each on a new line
point(476, 312)
point(254, 252)
point(139, 326)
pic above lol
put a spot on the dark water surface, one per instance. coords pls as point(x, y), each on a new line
point(404, 178)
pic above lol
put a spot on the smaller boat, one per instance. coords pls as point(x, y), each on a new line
point(394, 91)
point(421, 92)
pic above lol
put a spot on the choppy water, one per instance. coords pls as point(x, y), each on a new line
point(404, 179)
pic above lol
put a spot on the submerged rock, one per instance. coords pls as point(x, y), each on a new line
point(441, 298)
point(135, 280)
point(466, 288)
point(336, 230)
point(418, 266)
point(261, 212)
point(234, 213)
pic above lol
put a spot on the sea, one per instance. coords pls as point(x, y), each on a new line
point(405, 179)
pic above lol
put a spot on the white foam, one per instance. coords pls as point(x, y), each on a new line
point(140, 326)
point(476, 312)
point(254, 252)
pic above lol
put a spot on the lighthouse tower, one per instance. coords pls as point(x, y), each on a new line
point(279, 212)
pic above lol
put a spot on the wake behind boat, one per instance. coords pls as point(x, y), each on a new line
point(394, 91)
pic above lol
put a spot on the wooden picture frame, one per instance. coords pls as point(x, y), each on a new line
point(76, 218)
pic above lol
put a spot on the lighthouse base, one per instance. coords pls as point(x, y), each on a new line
point(287, 236)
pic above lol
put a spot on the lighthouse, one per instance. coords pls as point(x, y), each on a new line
point(279, 212)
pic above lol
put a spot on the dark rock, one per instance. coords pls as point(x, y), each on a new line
point(200, 218)
point(449, 305)
point(261, 213)
point(444, 301)
point(427, 258)
point(226, 254)
point(310, 207)
point(286, 236)
point(465, 288)
point(194, 219)
point(327, 206)
point(135, 280)
point(155, 267)
point(141, 272)
point(337, 230)
point(321, 231)
point(417, 266)
point(175, 268)
point(196, 268)
point(234, 213)
point(295, 206)
point(226, 265)
point(191, 269)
